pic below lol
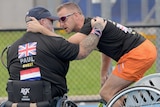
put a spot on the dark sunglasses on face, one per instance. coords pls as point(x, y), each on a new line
point(63, 18)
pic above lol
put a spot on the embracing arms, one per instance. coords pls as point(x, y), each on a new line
point(86, 43)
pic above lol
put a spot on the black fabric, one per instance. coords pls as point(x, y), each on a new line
point(116, 39)
point(86, 29)
point(28, 91)
point(24, 104)
point(44, 104)
point(55, 102)
point(52, 56)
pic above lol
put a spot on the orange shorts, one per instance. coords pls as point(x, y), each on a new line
point(132, 65)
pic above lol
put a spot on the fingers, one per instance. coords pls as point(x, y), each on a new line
point(33, 25)
point(98, 21)
point(33, 19)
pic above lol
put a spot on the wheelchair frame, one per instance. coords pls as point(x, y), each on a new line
point(143, 93)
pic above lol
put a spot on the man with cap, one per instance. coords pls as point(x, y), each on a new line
point(42, 14)
point(35, 57)
point(124, 45)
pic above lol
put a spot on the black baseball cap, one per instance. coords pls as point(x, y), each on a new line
point(41, 12)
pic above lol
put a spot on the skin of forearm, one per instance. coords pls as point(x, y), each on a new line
point(105, 63)
point(89, 43)
point(104, 68)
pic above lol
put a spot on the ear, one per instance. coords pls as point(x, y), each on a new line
point(77, 15)
point(42, 21)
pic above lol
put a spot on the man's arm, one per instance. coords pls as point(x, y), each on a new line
point(77, 38)
point(35, 26)
point(104, 68)
point(90, 42)
point(86, 45)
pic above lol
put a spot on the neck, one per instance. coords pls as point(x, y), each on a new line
point(80, 24)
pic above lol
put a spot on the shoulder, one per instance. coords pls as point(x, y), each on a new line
point(32, 34)
point(87, 20)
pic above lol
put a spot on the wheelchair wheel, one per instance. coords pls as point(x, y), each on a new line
point(68, 103)
point(2, 104)
point(136, 96)
point(149, 80)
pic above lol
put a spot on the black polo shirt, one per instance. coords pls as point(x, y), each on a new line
point(48, 54)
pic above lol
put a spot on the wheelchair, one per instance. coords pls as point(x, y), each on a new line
point(143, 93)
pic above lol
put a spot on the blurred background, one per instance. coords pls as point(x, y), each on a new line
point(123, 11)
point(84, 76)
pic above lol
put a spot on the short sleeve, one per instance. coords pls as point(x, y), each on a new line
point(67, 50)
point(86, 29)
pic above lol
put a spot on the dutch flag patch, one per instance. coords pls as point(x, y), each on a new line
point(30, 74)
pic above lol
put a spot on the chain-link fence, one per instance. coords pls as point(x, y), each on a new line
point(84, 76)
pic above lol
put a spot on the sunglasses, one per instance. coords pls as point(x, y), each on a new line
point(63, 18)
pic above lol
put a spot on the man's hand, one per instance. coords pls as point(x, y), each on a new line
point(98, 22)
point(34, 25)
